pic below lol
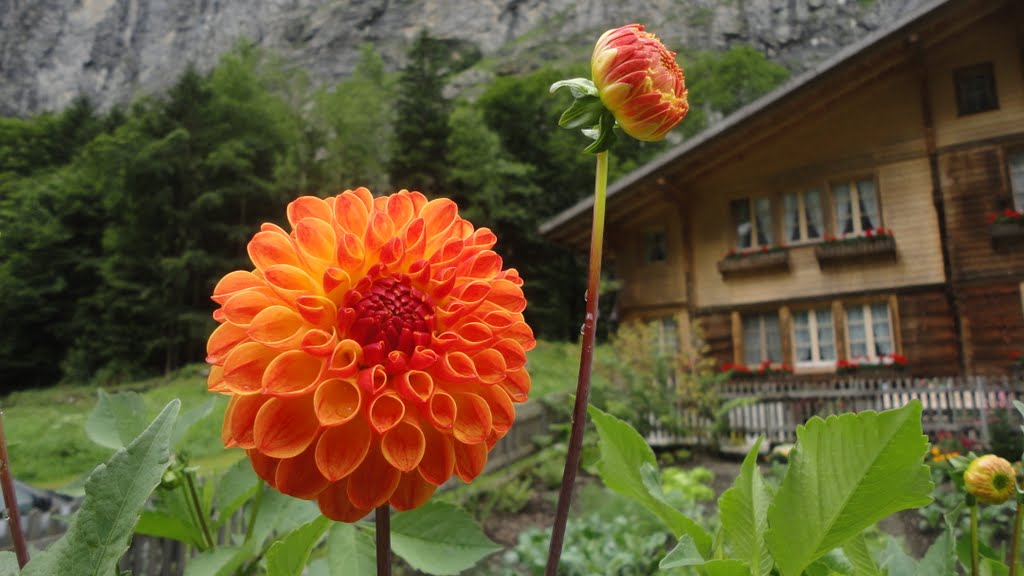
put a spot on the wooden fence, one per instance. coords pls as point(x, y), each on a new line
point(150, 556)
point(961, 406)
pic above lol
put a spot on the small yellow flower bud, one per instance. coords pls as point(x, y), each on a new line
point(990, 479)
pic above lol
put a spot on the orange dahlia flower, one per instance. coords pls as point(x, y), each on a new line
point(376, 350)
point(991, 479)
point(639, 81)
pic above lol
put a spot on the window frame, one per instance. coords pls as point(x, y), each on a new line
point(855, 214)
point(751, 202)
point(801, 206)
point(962, 74)
point(816, 363)
point(869, 336)
point(650, 238)
point(763, 340)
point(1008, 154)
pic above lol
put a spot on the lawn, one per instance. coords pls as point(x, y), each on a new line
point(46, 427)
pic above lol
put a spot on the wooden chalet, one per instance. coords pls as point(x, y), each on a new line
point(849, 215)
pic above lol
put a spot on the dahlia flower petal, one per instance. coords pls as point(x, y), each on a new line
point(292, 373)
point(490, 366)
point(415, 386)
point(441, 411)
point(264, 466)
point(224, 338)
point(403, 446)
point(412, 492)
point(373, 482)
point(337, 401)
point(415, 241)
point(316, 241)
point(245, 365)
point(241, 308)
point(373, 380)
point(268, 249)
point(400, 209)
point(346, 358)
point(239, 419)
point(511, 352)
point(457, 367)
point(438, 216)
point(386, 411)
point(351, 253)
point(473, 419)
point(342, 449)
point(470, 460)
point(309, 207)
point(233, 283)
point(277, 327)
point(378, 232)
point(284, 427)
point(215, 381)
point(299, 476)
point(517, 384)
point(290, 282)
point(334, 504)
point(319, 343)
point(503, 412)
point(351, 213)
point(438, 462)
point(392, 253)
point(484, 265)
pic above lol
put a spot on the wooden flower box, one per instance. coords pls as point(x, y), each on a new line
point(754, 263)
point(1007, 234)
point(862, 250)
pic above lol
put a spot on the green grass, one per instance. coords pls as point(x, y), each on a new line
point(46, 427)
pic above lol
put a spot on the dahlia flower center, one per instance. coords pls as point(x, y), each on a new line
point(1000, 481)
point(393, 315)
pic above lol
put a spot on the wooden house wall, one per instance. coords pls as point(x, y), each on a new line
point(649, 284)
point(993, 326)
point(928, 333)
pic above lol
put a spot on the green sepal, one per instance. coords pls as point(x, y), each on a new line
point(585, 112)
point(605, 134)
point(579, 87)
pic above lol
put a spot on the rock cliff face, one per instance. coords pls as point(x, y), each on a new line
point(109, 50)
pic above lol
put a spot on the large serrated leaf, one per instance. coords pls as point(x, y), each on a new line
point(439, 538)
point(350, 551)
point(623, 456)
point(857, 552)
point(114, 496)
point(222, 561)
point(234, 488)
point(9, 564)
point(289, 555)
point(116, 419)
point(743, 509)
point(847, 472)
point(190, 419)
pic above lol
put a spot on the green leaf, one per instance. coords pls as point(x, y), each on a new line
point(9, 564)
point(439, 538)
point(992, 567)
point(940, 557)
point(281, 514)
point(162, 524)
point(743, 509)
point(835, 562)
point(289, 555)
point(728, 567)
point(684, 554)
point(623, 455)
point(114, 496)
point(847, 472)
point(234, 488)
point(351, 551)
point(116, 419)
point(896, 562)
point(857, 552)
point(190, 419)
point(579, 87)
point(220, 561)
point(605, 134)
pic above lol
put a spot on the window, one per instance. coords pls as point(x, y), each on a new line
point(869, 330)
point(856, 206)
point(813, 337)
point(668, 335)
point(1015, 160)
point(753, 220)
point(803, 216)
point(975, 89)
point(655, 247)
point(761, 340)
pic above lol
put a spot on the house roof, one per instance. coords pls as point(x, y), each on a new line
point(580, 213)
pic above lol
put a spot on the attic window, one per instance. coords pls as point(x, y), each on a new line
point(975, 89)
point(655, 247)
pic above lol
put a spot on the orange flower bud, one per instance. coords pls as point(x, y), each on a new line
point(639, 81)
point(990, 479)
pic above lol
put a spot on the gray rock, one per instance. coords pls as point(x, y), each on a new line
point(111, 50)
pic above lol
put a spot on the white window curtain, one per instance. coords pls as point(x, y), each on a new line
point(1016, 159)
point(868, 203)
point(802, 337)
point(744, 227)
point(855, 331)
point(773, 343)
point(826, 338)
point(752, 340)
point(763, 207)
point(844, 211)
point(791, 206)
point(880, 330)
point(815, 220)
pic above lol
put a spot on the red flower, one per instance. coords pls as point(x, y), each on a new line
point(639, 82)
point(869, 232)
point(376, 350)
point(764, 248)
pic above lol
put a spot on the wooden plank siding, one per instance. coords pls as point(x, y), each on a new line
point(993, 324)
point(718, 336)
point(650, 284)
point(927, 333)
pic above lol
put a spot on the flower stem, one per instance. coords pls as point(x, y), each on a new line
point(383, 529)
point(200, 513)
point(579, 413)
point(1015, 542)
point(11, 500)
point(974, 540)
